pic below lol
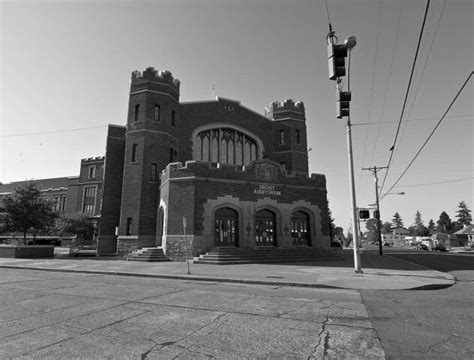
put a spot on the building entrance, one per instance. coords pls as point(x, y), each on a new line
point(300, 228)
point(265, 234)
point(226, 227)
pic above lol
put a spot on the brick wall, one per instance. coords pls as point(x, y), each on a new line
point(112, 192)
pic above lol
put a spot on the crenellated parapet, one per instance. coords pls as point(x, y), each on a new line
point(265, 171)
point(151, 74)
point(93, 159)
point(286, 106)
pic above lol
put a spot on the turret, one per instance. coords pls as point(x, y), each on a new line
point(289, 135)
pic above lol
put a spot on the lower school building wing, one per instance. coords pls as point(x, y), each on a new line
point(227, 205)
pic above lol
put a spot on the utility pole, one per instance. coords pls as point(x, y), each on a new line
point(377, 212)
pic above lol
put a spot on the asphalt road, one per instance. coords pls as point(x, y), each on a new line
point(56, 315)
point(433, 324)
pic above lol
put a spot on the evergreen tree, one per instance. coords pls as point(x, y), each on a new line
point(463, 215)
point(397, 221)
point(444, 224)
point(431, 226)
point(418, 220)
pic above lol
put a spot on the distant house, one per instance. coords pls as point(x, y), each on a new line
point(400, 231)
point(465, 235)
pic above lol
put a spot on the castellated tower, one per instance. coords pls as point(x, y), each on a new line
point(290, 141)
point(151, 144)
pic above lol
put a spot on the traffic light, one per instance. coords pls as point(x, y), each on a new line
point(364, 214)
point(343, 101)
point(336, 60)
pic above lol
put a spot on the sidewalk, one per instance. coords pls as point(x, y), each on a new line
point(379, 272)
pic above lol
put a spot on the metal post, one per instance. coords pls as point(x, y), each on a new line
point(186, 243)
point(355, 230)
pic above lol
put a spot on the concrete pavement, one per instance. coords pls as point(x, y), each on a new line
point(379, 272)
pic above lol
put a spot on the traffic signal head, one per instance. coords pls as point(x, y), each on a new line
point(364, 214)
point(343, 101)
point(377, 214)
point(336, 60)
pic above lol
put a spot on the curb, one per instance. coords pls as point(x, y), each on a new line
point(223, 280)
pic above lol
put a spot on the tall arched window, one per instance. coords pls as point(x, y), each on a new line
point(300, 228)
point(226, 145)
point(226, 228)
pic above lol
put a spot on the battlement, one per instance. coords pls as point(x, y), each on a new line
point(282, 106)
point(93, 159)
point(238, 173)
point(151, 74)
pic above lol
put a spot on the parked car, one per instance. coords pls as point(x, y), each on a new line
point(439, 247)
point(422, 247)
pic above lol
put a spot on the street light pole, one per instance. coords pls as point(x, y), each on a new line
point(350, 43)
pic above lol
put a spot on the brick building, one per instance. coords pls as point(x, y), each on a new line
point(235, 177)
point(239, 178)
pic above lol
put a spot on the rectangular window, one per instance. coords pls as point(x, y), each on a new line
point(298, 138)
point(89, 199)
point(282, 137)
point(156, 116)
point(173, 155)
point(153, 172)
point(91, 174)
point(134, 152)
point(173, 118)
point(137, 110)
point(128, 230)
point(63, 203)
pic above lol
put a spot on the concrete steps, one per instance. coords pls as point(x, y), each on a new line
point(148, 254)
point(233, 255)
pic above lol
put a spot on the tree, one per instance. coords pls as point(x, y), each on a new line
point(26, 210)
point(75, 224)
point(386, 228)
point(418, 228)
point(371, 225)
point(431, 226)
point(444, 224)
point(463, 215)
point(418, 220)
point(397, 221)
point(332, 226)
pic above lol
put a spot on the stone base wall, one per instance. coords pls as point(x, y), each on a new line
point(27, 252)
point(107, 245)
point(127, 244)
point(177, 247)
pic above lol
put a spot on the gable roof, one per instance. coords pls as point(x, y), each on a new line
point(467, 230)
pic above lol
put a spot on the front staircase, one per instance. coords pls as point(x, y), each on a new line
point(234, 255)
point(148, 254)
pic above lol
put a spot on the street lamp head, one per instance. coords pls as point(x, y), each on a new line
point(350, 42)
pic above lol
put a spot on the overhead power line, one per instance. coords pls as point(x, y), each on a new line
point(431, 134)
point(54, 131)
point(437, 183)
point(406, 94)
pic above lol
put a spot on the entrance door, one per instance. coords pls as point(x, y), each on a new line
point(226, 227)
point(265, 228)
point(300, 228)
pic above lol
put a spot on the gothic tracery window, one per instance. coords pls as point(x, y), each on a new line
point(225, 145)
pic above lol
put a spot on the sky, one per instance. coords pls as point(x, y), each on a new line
point(65, 74)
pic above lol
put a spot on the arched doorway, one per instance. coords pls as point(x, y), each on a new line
point(265, 228)
point(300, 228)
point(226, 227)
